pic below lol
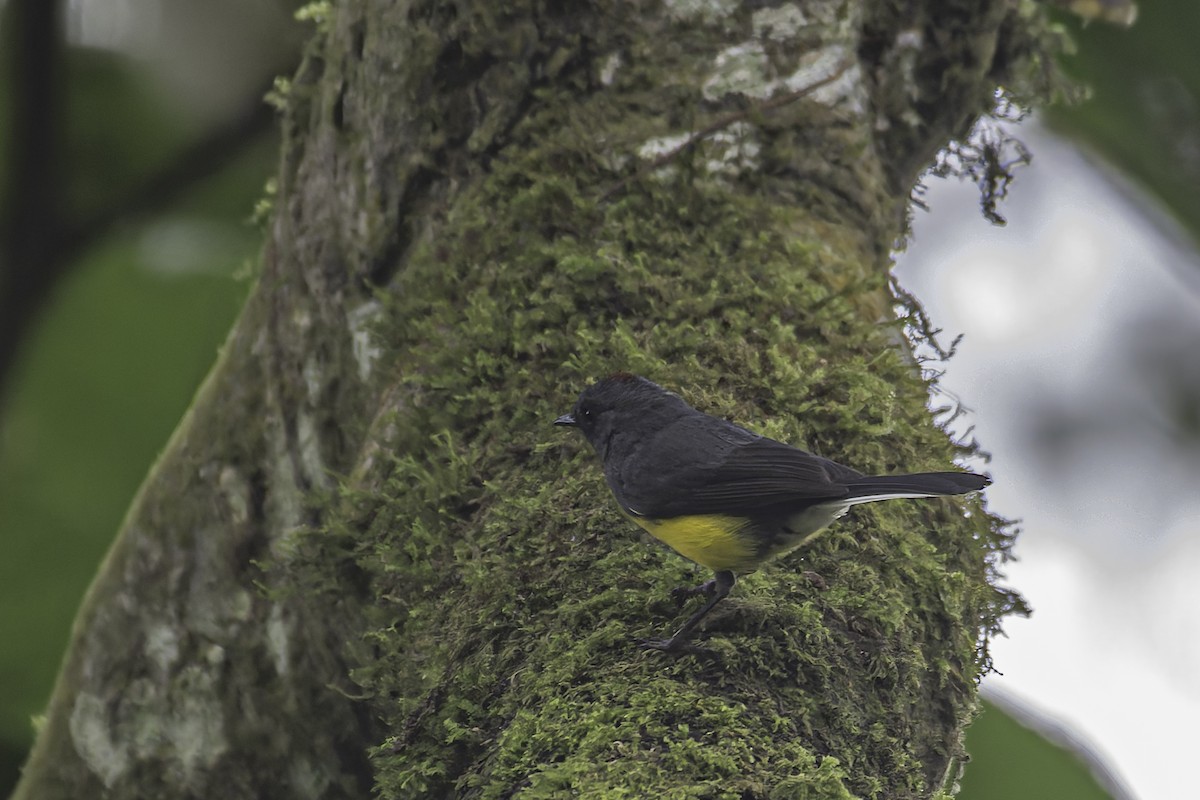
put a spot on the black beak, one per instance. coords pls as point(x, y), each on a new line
point(565, 419)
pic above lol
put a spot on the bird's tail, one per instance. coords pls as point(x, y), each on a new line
point(924, 484)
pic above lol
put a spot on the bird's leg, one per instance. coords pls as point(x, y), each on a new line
point(722, 583)
point(680, 594)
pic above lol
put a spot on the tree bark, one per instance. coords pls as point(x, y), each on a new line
point(366, 557)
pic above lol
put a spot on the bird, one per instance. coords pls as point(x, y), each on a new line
point(718, 494)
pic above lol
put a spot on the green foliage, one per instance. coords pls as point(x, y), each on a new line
point(511, 592)
point(1142, 112)
point(106, 374)
point(316, 12)
point(1009, 760)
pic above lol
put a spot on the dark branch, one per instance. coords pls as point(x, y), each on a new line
point(51, 246)
point(32, 198)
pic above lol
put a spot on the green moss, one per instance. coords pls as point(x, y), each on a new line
point(511, 593)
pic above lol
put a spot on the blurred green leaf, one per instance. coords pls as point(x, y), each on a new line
point(1144, 113)
point(1010, 761)
point(102, 383)
point(117, 130)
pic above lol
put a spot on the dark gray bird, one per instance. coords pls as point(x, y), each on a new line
point(717, 494)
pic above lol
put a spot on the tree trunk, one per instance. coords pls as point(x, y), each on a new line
point(366, 531)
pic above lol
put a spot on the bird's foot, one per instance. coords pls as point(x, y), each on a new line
point(672, 645)
point(680, 594)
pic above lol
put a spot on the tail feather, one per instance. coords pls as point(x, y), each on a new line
point(924, 484)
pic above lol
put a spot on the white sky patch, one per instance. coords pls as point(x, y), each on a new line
point(1111, 537)
point(1008, 296)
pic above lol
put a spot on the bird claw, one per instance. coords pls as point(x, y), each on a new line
point(672, 646)
point(667, 645)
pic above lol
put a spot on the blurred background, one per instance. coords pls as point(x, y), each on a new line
point(135, 146)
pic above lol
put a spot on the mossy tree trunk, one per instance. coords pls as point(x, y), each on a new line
point(367, 557)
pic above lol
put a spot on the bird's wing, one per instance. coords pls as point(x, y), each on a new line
point(731, 471)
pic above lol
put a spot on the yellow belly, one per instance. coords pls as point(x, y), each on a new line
point(713, 541)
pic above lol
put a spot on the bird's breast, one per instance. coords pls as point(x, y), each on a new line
point(715, 541)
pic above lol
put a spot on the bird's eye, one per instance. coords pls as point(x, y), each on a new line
point(587, 412)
